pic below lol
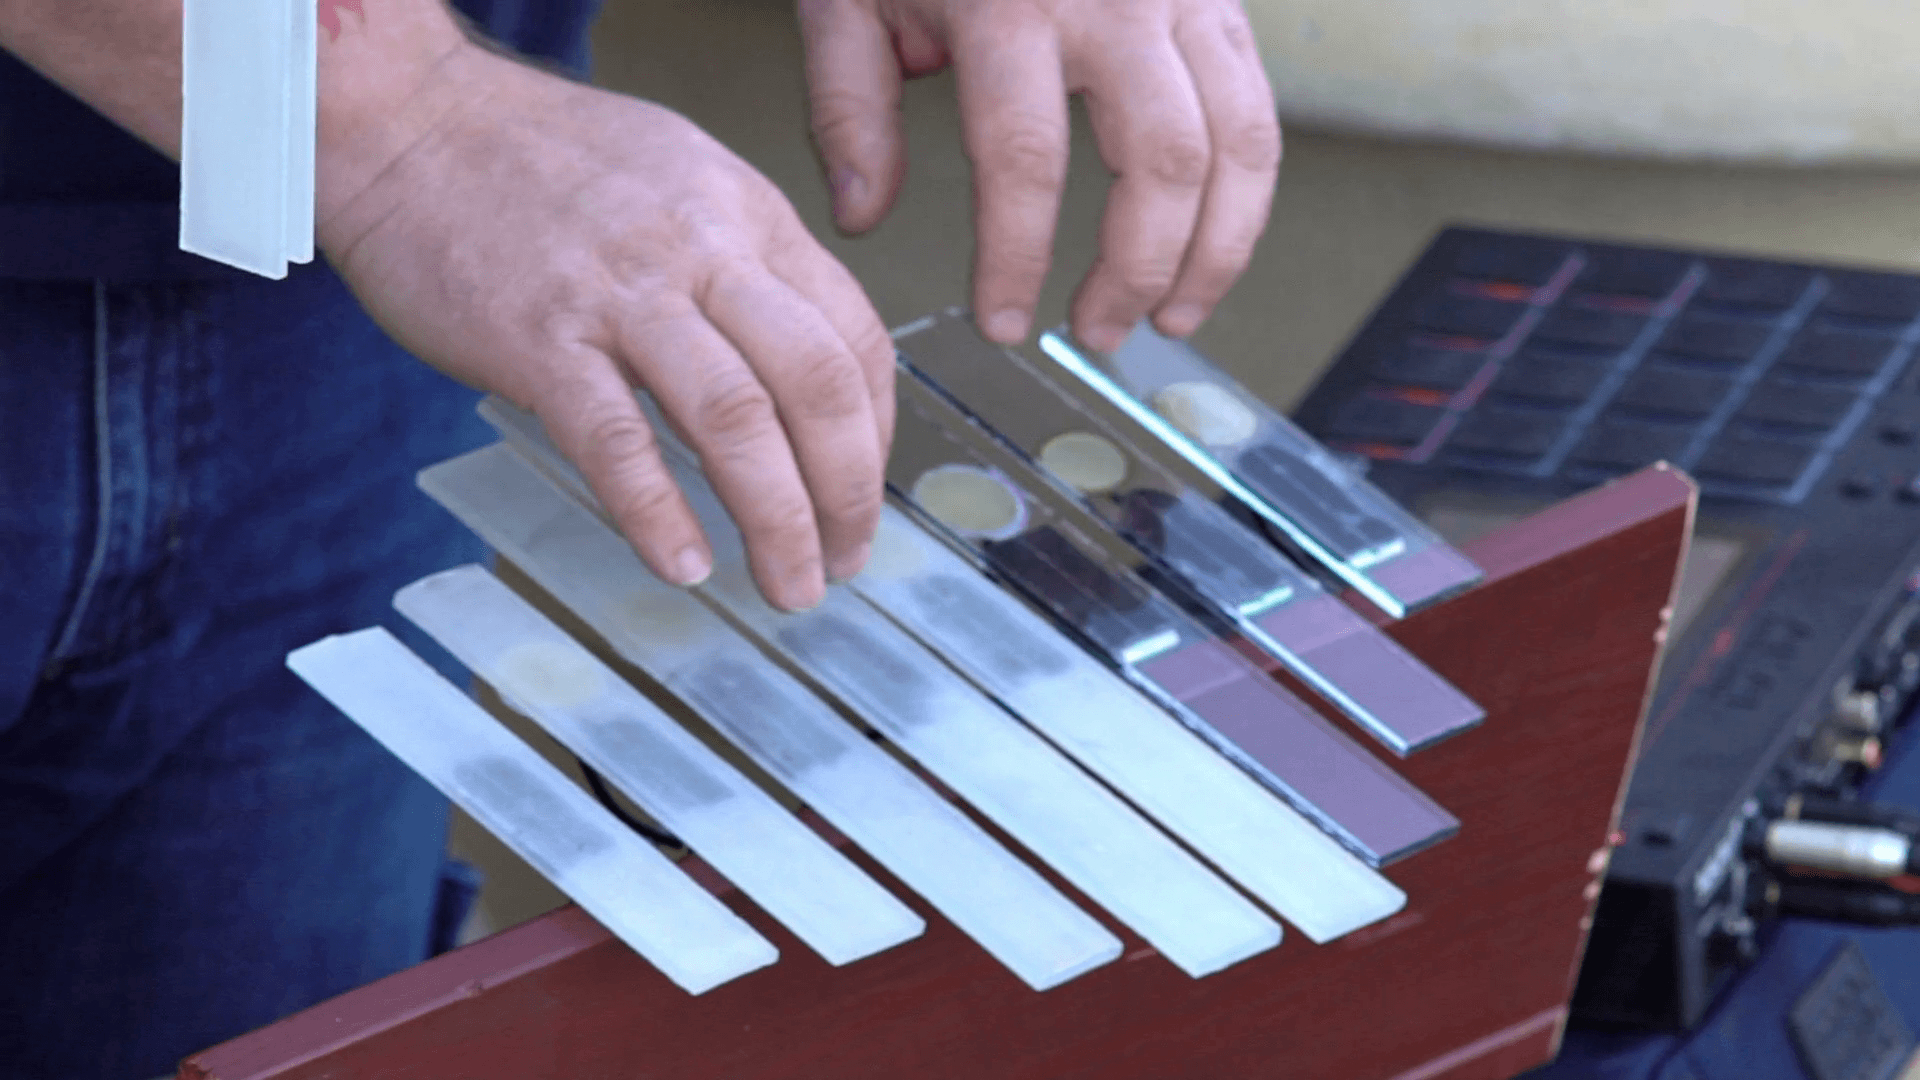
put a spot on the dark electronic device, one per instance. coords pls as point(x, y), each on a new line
point(1507, 372)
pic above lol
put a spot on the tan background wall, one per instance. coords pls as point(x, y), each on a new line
point(1790, 80)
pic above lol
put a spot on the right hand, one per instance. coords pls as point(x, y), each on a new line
point(559, 245)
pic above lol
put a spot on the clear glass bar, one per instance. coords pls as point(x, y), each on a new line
point(1122, 737)
point(722, 816)
point(1071, 567)
point(1276, 470)
point(1201, 555)
point(783, 727)
point(624, 882)
point(990, 759)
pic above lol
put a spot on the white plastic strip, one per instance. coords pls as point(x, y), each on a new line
point(722, 816)
point(780, 725)
point(629, 886)
point(993, 761)
point(1111, 728)
point(236, 132)
point(303, 122)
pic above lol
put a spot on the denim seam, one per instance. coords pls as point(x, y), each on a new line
point(103, 450)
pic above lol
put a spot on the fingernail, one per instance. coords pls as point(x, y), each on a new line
point(1181, 320)
point(1103, 338)
point(692, 566)
point(847, 566)
point(1008, 327)
point(805, 597)
point(849, 189)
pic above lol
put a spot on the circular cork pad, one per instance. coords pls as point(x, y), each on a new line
point(970, 501)
point(543, 674)
point(1085, 460)
point(657, 618)
point(1207, 414)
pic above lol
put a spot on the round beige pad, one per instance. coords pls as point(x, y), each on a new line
point(541, 674)
point(660, 618)
point(1085, 460)
point(968, 500)
point(1206, 413)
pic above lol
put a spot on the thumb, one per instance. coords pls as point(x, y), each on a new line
point(853, 90)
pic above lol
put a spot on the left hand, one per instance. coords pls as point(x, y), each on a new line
point(1181, 109)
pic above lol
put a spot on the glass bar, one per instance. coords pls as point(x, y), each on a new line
point(720, 815)
point(637, 893)
point(1273, 468)
point(1201, 554)
point(1120, 735)
point(990, 759)
point(784, 728)
point(1019, 528)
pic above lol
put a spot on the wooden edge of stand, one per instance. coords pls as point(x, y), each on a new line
point(458, 977)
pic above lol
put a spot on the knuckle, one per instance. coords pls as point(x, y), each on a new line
point(787, 525)
point(1020, 264)
point(1027, 154)
point(735, 410)
point(645, 504)
point(1254, 146)
point(838, 117)
point(827, 384)
point(621, 442)
point(873, 345)
point(1146, 279)
point(1177, 158)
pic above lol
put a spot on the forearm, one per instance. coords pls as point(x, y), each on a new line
point(123, 58)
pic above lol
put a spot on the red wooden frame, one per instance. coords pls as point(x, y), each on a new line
point(1470, 982)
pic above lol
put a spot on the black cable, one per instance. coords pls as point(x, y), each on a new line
point(1848, 903)
point(1858, 812)
point(605, 794)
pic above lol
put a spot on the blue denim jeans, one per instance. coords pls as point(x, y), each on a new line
point(196, 478)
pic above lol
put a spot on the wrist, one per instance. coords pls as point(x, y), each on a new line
point(385, 84)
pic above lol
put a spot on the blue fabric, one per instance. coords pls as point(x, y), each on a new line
point(199, 471)
point(82, 200)
point(195, 478)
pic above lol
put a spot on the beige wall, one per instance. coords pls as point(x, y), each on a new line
point(1786, 80)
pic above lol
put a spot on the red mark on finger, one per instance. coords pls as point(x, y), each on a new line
point(330, 15)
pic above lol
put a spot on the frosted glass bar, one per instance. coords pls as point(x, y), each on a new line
point(860, 789)
point(722, 816)
point(628, 885)
point(1108, 726)
point(993, 761)
point(237, 80)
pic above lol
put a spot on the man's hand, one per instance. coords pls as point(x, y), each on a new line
point(559, 245)
point(1180, 105)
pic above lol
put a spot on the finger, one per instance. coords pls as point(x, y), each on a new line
point(1013, 111)
point(728, 418)
point(1146, 116)
point(823, 401)
point(1241, 121)
point(825, 282)
point(597, 423)
point(853, 85)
